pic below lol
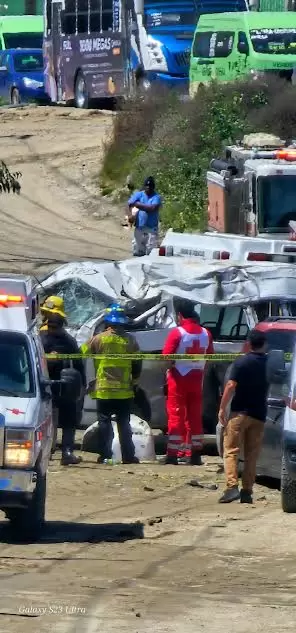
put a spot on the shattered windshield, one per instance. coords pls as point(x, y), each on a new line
point(82, 302)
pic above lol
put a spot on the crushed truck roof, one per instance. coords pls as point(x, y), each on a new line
point(220, 283)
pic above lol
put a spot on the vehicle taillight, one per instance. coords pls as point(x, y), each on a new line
point(167, 251)
point(292, 237)
point(259, 257)
point(221, 255)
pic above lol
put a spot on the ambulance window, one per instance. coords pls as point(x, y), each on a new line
point(16, 376)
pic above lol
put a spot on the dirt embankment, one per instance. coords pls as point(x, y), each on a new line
point(59, 215)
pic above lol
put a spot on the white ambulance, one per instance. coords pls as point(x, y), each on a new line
point(26, 429)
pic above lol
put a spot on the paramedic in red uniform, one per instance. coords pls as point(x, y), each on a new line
point(184, 383)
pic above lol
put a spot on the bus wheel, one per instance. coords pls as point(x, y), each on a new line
point(81, 94)
point(15, 97)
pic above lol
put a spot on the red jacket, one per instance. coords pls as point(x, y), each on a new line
point(192, 327)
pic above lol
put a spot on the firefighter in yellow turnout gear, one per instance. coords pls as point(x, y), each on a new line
point(114, 385)
point(52, 305)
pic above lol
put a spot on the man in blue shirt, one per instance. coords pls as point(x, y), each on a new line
point(145, 205)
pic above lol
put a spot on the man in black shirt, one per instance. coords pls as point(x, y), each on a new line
point(247, 387)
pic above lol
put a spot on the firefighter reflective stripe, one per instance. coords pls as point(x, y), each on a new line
point(196, 441)
point(176, 438)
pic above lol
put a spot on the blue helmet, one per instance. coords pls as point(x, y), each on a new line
point(114, 306)
point(115, 314)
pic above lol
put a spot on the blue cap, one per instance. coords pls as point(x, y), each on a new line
point(116, 315)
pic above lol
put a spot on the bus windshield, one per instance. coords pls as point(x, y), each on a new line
point(23, 40)
point(157, 18)
point(277, 201)
point(274, 41)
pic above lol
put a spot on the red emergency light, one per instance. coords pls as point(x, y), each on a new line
point(259, 257)
point(10, 299)
point(286, 154)
point(222, 255)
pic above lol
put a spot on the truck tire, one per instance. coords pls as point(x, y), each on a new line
point(81, 97)
point(27, 523)
point(288, 489)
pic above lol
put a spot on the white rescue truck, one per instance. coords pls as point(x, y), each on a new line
point(251, 206)
point(26, 429)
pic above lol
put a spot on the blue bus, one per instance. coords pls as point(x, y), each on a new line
point(95, 49)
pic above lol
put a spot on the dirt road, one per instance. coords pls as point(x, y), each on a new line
point(59, 215)
point(135, 549)
point(126, 549)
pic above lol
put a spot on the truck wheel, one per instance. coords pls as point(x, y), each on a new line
point(81, 97)
point(288, 489)
point(27, 523)
point(15, 97)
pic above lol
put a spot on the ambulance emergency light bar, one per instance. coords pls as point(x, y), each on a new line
point(288, 155)
point(10, 300)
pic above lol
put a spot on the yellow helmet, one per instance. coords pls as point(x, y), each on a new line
point(53, 305)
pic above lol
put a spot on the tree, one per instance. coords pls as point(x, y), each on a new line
point(9, 181)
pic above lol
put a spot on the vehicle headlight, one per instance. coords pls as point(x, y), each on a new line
point(32, 83)
point(156, 55)
point(19, 448)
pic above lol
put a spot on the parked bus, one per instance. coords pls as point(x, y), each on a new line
point(107, 48)
point(21, 31)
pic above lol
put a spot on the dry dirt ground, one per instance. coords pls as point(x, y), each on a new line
point(137, 550)
point(126, 549)
point(59, 215)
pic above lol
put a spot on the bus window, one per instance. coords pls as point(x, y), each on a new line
point(70, 6)
point(211, 44)
point(69, 24)
point(82, 23)
point(48, 15)
point(107, 15)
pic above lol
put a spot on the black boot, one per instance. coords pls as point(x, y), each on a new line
point(246, 496)
point(196, 459)
point(133, 460)
point(229, 495)
point(168, 459)
point(68, 458)
point(184, 461)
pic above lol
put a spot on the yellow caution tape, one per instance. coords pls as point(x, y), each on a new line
point(143, 356)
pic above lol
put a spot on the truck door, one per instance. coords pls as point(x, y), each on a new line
point(45, 406)
point(225, 56)
point(271, 453)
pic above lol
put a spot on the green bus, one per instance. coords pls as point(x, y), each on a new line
point(227, 46)
point(21, 7)
point(21, 31)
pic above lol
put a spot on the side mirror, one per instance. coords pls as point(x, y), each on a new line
point(45, 389)
point(243, 48)
point(71, 384)
point(276, 371)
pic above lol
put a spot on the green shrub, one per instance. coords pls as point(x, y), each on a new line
point(175, 141)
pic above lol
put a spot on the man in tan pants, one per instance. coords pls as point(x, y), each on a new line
point(247, 387)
